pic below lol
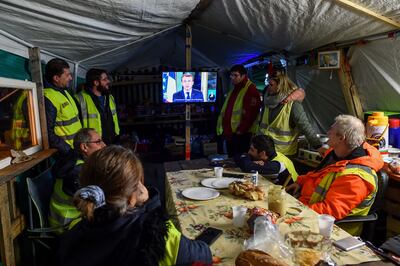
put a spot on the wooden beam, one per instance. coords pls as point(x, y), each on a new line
point(349, 89)
point(369, 12)
point(188, 53)
point(36, 72)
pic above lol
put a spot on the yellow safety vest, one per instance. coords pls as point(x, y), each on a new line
point(67, 122)
point(171, 246)
point(285, 137)
point(62, 209)
point(363, 208)
point(288, 164)
point(236, 112)
point(19, 127)
point(91, 116)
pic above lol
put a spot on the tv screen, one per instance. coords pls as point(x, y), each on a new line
point(189, 87)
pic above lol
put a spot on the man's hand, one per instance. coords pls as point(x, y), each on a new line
point(297, 95)
point(293, 189)
point(259, 162)
point(322, 151)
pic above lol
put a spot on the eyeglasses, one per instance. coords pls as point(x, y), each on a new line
point(234, 75)
point(95, 141)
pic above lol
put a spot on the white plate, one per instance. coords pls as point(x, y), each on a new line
point(200, 193)
point(207, 182)
point(224, 182)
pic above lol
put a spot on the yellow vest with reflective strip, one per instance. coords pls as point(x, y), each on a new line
point(171, 246)
point(67, 122)
point(20, 127)
point(285, 137)
point(287, 163)
point(91, 116)
point(363, 208)
point(236, 112)
point(62, 210)
point(363, 172)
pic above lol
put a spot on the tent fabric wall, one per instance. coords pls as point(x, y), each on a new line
point(14, 66)
point(376, 71)
point(324, 98)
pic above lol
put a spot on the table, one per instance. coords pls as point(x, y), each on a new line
point(12, 222)
point(192, 217)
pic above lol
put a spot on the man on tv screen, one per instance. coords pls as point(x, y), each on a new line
point(188, 94)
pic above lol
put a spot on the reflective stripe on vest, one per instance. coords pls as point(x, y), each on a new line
point(288, 165)
point(67, 122)
point(236, 112)
point(364, 172)
point(90, 115)
point(285, 137)
point(171, 245)
point(62, 210)
point(19, 128)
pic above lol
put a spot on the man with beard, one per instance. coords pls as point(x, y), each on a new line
point(97, 105)
point(263, 158)
point(62, 113)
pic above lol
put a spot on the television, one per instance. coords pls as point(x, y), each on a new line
point(189, 87)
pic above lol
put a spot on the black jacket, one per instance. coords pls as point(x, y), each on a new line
point(65, 168)
point(137, 238)
point(269, 168)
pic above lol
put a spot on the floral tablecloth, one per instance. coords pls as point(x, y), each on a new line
point(192, 217)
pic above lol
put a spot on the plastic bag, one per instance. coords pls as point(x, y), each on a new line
point(267, 238)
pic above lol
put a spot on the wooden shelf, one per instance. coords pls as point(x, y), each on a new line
point(133, 123)
point(13, 170)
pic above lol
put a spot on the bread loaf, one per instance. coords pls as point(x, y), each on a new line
point(253, 257)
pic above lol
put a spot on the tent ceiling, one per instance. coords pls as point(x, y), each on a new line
point(227, 32)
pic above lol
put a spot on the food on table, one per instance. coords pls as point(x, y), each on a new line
point(254, 257)
point(258, 211)
point(305, 239)
point(307, 256)
point(246, 190)
point(395, 167)
point(277, 200)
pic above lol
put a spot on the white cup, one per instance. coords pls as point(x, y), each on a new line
point(218, 172)
point(325, 223)
point(239, 215)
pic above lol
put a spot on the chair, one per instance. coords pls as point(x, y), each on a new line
point(40, 189)
point(370, 220)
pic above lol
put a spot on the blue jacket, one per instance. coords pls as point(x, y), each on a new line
point(137, 238)
point(197, 96)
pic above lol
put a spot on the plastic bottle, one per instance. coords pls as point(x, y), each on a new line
point(394, 132)
point(377, 132)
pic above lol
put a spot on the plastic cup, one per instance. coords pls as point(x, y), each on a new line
point(325, 223)
point(218, 172)
point(239, 215)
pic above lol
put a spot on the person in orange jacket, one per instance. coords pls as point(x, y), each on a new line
point(345, 182)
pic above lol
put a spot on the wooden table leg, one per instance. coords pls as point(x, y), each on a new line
point(6, 239)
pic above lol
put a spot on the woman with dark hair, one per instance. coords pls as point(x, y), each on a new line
point(123, 222)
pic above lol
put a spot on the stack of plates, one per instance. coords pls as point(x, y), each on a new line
point(218, 183)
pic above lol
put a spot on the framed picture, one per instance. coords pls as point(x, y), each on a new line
point(329, 60)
